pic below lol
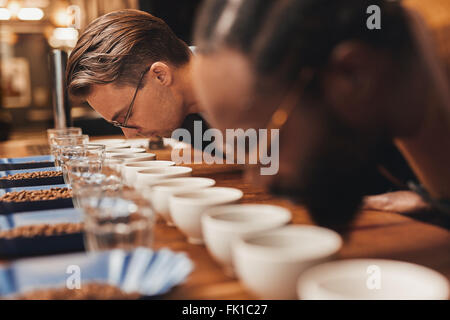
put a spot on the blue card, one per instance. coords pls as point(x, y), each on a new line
point(148, 272)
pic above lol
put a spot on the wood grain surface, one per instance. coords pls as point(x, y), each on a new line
point(373, 235)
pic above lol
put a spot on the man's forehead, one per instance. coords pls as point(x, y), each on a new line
point(108, 100)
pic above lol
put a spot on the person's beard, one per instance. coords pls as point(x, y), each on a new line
point(332, 182)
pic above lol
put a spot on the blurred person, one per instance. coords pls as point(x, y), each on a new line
point(338, 91)
point(135, 72)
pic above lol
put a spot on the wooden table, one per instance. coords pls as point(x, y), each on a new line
point(374, 234)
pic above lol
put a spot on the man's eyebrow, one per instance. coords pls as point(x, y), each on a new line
point(115, 116)
point(118, 113)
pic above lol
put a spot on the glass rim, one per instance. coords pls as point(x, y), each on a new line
point(65, 129)
point(84, 160)
point(68, 137)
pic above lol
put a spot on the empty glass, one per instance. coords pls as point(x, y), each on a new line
point(121, 220)
point(113, 167)
point(52, 133)
point(66, 153)
point(55, 133)
point(82, 168)
point(95, 151)
point(67, 140)
point(87, 190)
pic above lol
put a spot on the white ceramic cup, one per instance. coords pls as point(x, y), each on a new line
point(135, 157)
point(186, 209)
point(270, 263)
point(367, 279)
point(131, 169)
point(162, 191)
point(148, 177)
point(222, 226)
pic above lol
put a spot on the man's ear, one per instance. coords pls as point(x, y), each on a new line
point(351, 79)
point(161, 73)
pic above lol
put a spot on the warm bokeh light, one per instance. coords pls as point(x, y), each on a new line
point(14, 8)
point(64, 37)
point(61, 18)
point(65, 34)
point(4, 14)
point(33, 14)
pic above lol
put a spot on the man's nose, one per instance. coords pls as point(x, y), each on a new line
point(130, 133)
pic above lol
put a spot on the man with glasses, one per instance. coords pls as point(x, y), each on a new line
point(132, 69)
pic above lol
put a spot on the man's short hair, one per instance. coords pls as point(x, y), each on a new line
point(117, 47)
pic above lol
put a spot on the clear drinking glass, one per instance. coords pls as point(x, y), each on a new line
point(113, 167)
point(64, 154)
point(69, 140)
point(65, 141)
point(95, 151)
point(56, 133)
point(119, 221)
point(52, 133)
point(82, 168)
point(89, 189)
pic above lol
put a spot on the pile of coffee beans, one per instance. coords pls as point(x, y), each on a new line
point(33, 175)
point(37, 195)
point(43, 230)
point(88, 291)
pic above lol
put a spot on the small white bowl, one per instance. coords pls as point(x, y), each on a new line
point(131, 169)
point(110, 142)
point(269, 264)
point(148, 177)
point(135, 157)
point(372, 280)
point(222, 226)
point(186, 209)
point(125, 151)
point(121, 146)
point(161, 192)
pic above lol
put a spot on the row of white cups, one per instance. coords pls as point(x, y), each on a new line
point(254, 242)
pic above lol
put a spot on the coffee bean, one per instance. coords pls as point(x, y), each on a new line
point(88, 291)
point(33, 175)
point(39, 195)
point(46, 230)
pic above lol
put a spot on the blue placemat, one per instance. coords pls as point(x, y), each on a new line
point(51, 217)
point(26, 163)
point(38, 246)
point(26, 160)
point(142, 270)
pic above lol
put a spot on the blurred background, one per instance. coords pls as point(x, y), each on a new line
point(30, 29)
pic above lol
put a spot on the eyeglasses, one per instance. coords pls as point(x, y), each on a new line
point(130, 108)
